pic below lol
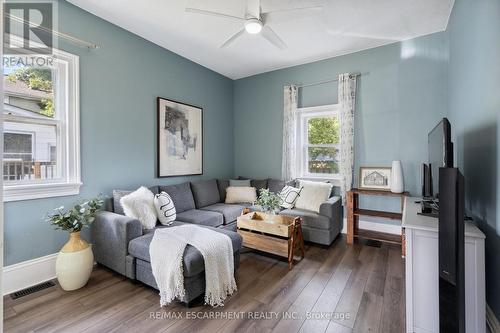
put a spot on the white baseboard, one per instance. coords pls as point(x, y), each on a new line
point(375, 226)
point(491, 320)
point(28, 273)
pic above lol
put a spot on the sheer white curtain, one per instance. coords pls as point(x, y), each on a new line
point(347, 101)
point(289, 158)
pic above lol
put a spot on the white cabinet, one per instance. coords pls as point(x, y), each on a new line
point(422, 277)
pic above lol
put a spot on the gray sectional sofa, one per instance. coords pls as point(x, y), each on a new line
point(121, 244)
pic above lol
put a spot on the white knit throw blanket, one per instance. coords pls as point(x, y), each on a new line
point(167, 250)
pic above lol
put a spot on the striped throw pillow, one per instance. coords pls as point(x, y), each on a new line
point(165, 208)
point(289, 196)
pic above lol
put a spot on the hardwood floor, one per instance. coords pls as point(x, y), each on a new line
point(343, 288)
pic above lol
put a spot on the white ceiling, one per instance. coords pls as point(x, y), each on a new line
point(340, 27)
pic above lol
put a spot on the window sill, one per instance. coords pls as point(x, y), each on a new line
point(335, 180)
point(38, 191)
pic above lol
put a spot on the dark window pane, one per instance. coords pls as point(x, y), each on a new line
point(18, 143)
point(323, 160)
point(323, 131)
point(27, 159)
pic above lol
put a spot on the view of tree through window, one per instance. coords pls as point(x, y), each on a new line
point(323, 138)
point(30, 125)
point(37, 80)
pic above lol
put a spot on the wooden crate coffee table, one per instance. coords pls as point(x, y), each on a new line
point(276, 234)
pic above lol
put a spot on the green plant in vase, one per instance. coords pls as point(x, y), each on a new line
point(75, 260)
point(77, 217)
point(268, 201)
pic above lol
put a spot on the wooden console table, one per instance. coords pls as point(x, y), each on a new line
point(354, 212)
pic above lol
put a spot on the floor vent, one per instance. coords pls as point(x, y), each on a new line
point(31, 290)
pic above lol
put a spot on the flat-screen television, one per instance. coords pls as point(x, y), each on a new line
point(440, 153)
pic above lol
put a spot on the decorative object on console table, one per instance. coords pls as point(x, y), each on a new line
point(375, 178)
point(397, 180)
point(75, 260)
point(354, 212)
point(276, 234)
point(180, 139)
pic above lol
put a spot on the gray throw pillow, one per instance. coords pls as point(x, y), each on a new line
point(275, 185)
point(259, 184)
point(181, 196)
point(205, 193)
point(239, 183)
point(117, 206)
point(222, 184)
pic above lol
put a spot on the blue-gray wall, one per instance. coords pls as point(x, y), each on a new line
point(401, 98)
point(119, 86)
point(474, 112)
point(408, 87)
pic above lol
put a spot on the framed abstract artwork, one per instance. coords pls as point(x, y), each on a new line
point(180, 139)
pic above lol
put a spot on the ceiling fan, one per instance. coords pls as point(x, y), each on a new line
point(256, 21)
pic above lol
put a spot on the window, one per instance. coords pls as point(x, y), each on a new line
point(319, 142)
point(41, 129)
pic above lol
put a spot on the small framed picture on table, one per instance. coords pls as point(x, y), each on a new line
point(375, 178)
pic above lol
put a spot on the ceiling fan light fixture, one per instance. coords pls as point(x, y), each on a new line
point(253, 26)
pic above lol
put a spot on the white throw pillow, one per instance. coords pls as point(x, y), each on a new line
point(241, 194)
point(289, 196)
point(140, 205)
point(165, 208)
point(312, 195)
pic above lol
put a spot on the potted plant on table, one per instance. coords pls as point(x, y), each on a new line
point(268, 201)
point(75, 260)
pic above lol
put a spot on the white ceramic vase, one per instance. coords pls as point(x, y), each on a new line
point(397, 181)
point(74, 263)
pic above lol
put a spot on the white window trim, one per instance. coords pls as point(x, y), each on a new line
point(310, 112)
point(70, 152)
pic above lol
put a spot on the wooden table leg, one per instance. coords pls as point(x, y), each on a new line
point(300, 237)
point(291, 248)
point(350, 217)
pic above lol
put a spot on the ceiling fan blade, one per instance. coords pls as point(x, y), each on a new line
point(253, 9)
point(272, 37)
point(207, 12)
point(232, 38)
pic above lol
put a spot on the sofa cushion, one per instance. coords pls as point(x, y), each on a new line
point(309, 218)
point(240, 194)
point(165, 209)
point(313, 194)
point(222, 184)
point(118, 194)
point(289, 196)
point(193, 261)
point(239, 182)
point(275, 185)
point(117, 206)
point(201, 217)
point(229, 211)
point(181, 196)
point(205, 193)
point(140, 205)
point(259, 184)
